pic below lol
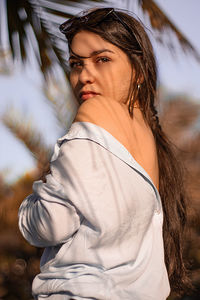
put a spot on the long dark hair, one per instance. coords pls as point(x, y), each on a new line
point(128, 33)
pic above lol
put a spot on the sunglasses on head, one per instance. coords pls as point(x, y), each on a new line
point(67, 27)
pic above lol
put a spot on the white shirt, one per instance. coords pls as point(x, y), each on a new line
point(99, 217)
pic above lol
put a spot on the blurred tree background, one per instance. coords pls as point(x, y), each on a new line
point(36, 22)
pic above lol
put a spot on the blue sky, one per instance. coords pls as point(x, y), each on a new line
point(181, 74)
point(23, 88)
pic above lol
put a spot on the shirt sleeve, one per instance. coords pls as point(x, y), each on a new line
point(48, 216)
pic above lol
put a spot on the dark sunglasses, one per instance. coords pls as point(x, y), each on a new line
point(66, 28)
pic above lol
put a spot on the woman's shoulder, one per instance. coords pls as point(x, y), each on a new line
point(114, 118)
point(107, 114)
point(133, 133)
point(100, 111)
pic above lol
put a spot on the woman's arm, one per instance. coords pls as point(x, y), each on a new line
point(53, 213)
point(48, 217)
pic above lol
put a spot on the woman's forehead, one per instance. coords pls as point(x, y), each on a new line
point(86, 43)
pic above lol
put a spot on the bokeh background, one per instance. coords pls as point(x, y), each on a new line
point(37, 107)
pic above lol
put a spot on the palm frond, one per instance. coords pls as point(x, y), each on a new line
point(28, 135)
point(160, 22)
point(59, 96)
point(36, 22)
point(179, 118)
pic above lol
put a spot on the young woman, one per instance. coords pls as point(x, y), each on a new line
point(113, 177)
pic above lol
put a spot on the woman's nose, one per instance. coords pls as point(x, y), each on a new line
point(86, 75)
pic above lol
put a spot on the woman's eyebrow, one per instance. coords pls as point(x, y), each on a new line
point(93, 53)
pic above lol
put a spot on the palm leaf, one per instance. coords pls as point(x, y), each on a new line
point(28, 135)
point(160, 22)
point(59, 96)
point(37, 21)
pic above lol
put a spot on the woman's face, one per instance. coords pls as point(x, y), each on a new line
point(98, 69)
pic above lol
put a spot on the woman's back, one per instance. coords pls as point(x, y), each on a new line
point(133, 133)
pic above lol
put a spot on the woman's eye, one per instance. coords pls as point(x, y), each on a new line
point(75, 64)
point(103, 59)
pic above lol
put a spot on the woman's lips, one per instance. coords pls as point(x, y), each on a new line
point(85, 96)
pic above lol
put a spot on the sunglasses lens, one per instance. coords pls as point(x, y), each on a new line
point(62, 27)
point(66, 26)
